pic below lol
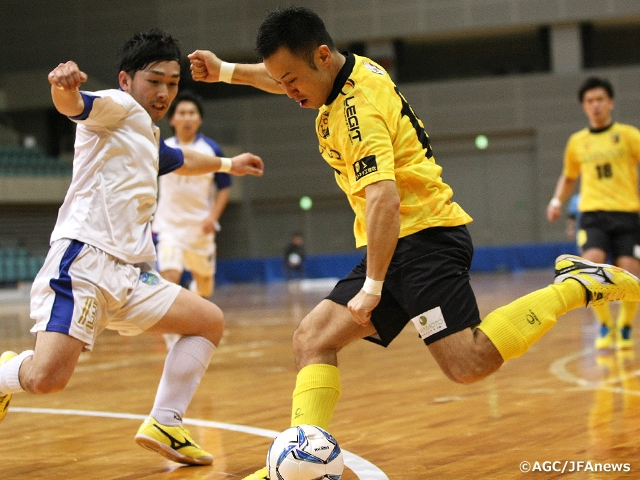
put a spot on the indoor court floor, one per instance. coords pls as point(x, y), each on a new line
point(561, 410)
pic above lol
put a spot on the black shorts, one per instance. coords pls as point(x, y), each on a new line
point(427, 283)
point(617, 233)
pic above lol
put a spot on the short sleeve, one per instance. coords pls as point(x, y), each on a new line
point(170, 158)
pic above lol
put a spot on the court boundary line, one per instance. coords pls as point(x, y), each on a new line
point(559, 369)
point(362, 468)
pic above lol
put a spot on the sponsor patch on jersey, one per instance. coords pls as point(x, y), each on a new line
point(429, 322)
point(373, 68)
point(365, 166)
point(149, 278)
point(348, 86)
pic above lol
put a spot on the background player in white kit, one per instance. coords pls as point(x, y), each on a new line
point(96, 274)
point(189, 207)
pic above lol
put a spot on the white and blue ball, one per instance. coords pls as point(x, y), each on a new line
point(305, 452)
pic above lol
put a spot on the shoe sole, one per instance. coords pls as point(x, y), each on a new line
point(168, 452)
point(593, 264)
point(589, 263)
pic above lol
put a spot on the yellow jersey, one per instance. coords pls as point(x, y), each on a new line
point(367, 133)
point(607, 163)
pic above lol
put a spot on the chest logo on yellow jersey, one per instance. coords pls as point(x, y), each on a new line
point(351, 117)
point(323, 125)
point(365, 166)
point(615, 138)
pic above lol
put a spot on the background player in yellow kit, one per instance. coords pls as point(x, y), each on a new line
point(605, 157)
point(418, 248)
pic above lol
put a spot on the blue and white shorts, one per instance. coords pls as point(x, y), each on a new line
point(81, 290)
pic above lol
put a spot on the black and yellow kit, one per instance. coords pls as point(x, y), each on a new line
point(367, 133)
point(607, 163)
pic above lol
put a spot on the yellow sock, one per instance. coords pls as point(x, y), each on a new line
point(626, 314)
point(316, 395)
point(515, 327)
point(603, 314)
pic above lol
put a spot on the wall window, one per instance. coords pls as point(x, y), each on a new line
point(477, 56)
point(610, 45)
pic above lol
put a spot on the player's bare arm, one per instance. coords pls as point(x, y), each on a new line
point(65, 82)
point(383, 228)
point(196, 163)
point(564, 187)
point(205, 67)
point(211, 223)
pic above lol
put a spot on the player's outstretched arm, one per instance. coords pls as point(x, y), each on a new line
point(206, 67)
point(65, 82)
point(563, 190)
point(196, 163)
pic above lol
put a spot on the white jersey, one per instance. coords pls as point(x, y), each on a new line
point(112, 196)
point(185, 201)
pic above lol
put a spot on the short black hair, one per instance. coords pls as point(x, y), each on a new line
point(299, 29)
point(147, 48)
point(186, 96)
point(595, 82)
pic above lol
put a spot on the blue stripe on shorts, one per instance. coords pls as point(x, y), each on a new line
point(62, 310)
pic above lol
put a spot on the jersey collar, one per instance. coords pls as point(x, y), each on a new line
point(342, 77)
point(600, 130)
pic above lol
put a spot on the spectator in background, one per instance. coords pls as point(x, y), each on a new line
point(294, 256)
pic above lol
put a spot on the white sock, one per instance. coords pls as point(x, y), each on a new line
point(9, 374)
point(183, 369)
point(170, 339)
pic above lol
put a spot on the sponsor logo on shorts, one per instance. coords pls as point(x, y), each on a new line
point(429, 322)
point(149, 278)
point(88, 314)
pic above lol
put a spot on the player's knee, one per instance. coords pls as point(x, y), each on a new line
point(460, 375)
point(216, 327)
point(299, 340)
point(304, 340)
point(468, 372)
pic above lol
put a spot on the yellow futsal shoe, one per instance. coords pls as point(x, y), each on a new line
point(174, 443)
point(625, 341)
point(603, 283)
point(4, 400)
point(606, 338)
point(262, 474)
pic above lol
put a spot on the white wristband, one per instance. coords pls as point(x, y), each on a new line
point(226, 72)
point(225, 164)
point(555, 202)
point(373, 287)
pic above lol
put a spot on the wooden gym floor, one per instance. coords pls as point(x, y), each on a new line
point(561, 405)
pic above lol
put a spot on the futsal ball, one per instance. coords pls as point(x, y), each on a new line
point(305, 452)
